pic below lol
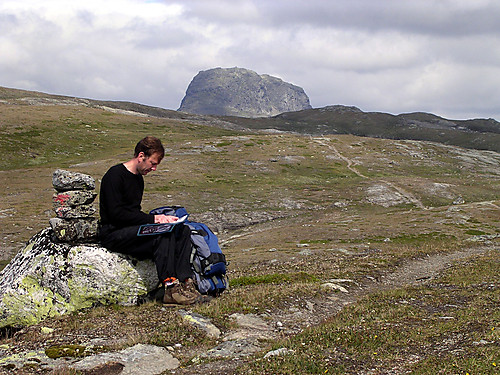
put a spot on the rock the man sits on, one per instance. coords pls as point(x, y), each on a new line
point(120, 199)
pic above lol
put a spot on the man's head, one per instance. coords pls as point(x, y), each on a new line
point(148, 154)
point(149, 146)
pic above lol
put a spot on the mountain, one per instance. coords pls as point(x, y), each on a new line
point(481, 134)
point(241, 92)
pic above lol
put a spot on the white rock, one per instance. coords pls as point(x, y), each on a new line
point(279, 352)
point(139, 359)
point(201, 322)
point(334, 287)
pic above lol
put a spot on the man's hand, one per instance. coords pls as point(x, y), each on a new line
point(162, 219)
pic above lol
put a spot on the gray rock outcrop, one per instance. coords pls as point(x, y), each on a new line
point(241, 92)
point(137, 360)
point(50, 278)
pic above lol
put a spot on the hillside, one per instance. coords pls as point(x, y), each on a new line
point(359, 254)
point(481, 134)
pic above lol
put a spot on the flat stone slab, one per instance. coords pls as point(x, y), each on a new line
point(231, 349)
point(139, 359)
point(73, 198)
point(76, 212)
point(136, 360)
point(64, 180)
point(250, 326)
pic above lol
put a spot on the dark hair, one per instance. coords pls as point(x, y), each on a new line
point(149, 145)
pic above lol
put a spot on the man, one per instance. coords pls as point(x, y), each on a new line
point(120, 200)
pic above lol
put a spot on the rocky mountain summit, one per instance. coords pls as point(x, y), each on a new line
point(241, 92)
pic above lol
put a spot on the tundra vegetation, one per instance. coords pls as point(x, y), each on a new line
point(292, 212)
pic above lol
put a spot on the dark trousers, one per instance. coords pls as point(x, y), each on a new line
point(170, 252)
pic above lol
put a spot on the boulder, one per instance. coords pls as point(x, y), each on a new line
point(65, 180)
point(74, 230)
point(139, 359)
point(76, 212)
point(72, 198)
point(49, 278)
point(241, 92)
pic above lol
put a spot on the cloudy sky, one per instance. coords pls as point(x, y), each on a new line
point(396, 56)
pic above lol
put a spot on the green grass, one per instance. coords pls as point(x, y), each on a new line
point(475, 232)
point(58, 136)
point(273, 279)
point(257, 298)
point(434, 329)
point(405, 238)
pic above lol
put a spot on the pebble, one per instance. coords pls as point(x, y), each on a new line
point(335, 287)
point(279, 352)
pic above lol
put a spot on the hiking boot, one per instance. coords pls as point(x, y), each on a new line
point(190, 286)
point(169, 284)
point(178, 295)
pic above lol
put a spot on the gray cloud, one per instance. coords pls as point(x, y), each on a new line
point(428, 17)
point(439, 56)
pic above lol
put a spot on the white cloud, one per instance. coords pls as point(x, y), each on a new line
point(387, 55)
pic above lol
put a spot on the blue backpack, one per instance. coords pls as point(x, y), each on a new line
point(207, 260)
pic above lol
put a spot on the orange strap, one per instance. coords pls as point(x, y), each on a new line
point(169, 281)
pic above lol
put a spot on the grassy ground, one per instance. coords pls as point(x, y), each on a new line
point(292, 212)
point(449, 326)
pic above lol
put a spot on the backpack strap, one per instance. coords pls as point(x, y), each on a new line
point(214, 258)
point(194, 264)
point(200, 232)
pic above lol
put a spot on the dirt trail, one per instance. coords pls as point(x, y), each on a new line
point(323, 141)
point(412, 272)
point(349, 163)
point(423, 270)
point(313, 312)
point(405, 194)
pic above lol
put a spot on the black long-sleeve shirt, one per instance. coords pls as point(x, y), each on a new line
point(120, 198)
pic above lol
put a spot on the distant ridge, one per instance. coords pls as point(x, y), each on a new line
point(18, 96)
point(482, 134)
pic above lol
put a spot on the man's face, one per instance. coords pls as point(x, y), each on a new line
point(147, 163)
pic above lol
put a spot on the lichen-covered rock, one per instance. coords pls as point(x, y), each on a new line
point(65, 180)
point(76, 212)
point(73, 198)
point(74, 230)
point(47, 279)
